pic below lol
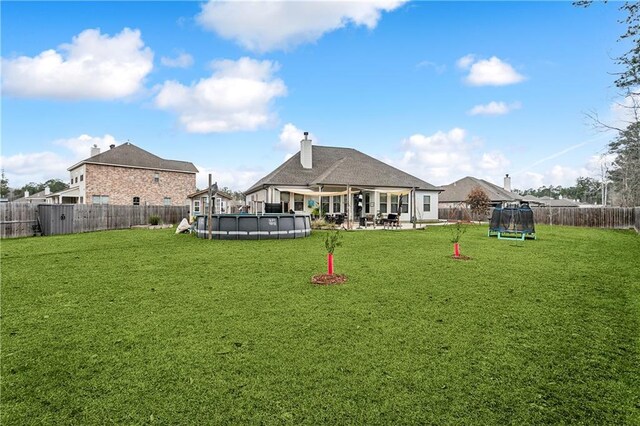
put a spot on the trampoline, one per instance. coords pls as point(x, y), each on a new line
point(512, 222)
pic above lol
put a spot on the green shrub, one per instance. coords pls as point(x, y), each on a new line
point(154, 219)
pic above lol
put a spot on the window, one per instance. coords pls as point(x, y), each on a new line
point(136, 201)
point(76, 179)
point(156, 177)
point(426, 203)
point(167, 201)
point(367, 201)
point(100, 199)
point(81, 178)
point(196, 207)
point(298, 202)
point(394, 204)
point(285, 197)
point(324, 205)
point(336, 203)
point(383, 203)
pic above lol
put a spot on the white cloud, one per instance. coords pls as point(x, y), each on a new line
point(489, 72)
point(290, 137)
point(466, 61)
point(183, 60)
point(92, 66)
point(237, 96)
point(81, 145)
point(563, 175)
point(494, 108)
point(21, 168)
point(237, 179)
point(42, 166)
point(444, 157)
point(263, 26)
point(438, 68)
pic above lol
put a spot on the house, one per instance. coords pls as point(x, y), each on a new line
point(128, 175)
point(343, 181)
point(199, 202)
point(547, 201)
point(455, 194)
point(37, 198)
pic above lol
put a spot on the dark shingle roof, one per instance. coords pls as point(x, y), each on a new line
point(339, 166)
point(129, 155)
point(458, 191)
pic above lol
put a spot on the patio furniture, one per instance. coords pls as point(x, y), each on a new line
point(392, 221)
point(369, 220)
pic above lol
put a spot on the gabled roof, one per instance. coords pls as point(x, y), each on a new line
point(458, 191)
point(129, 155)
point(218, 194)
point(339, 166)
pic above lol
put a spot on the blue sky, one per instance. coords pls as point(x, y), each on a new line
point(441, 90)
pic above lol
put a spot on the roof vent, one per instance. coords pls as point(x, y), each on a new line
point(112, 146)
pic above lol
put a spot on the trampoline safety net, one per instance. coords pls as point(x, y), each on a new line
point(512, 222)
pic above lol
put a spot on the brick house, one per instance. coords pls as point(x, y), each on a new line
point(128, 175)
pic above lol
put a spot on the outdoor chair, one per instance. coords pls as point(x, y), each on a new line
point(369, 220)
point(392, 221)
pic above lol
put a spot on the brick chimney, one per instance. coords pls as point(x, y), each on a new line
point(305, 152)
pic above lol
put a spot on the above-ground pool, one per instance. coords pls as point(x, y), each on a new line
point(254, 227)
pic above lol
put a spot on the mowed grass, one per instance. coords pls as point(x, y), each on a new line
point(142, 326)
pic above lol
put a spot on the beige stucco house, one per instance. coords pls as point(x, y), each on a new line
point(343, 181)
point(128, 175)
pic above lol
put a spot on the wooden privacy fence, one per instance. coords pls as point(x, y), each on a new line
point(21, 220)
point(593, 217)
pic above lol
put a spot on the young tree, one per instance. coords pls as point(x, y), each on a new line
point(479, 202)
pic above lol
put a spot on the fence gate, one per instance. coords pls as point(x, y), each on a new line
point(56, 219)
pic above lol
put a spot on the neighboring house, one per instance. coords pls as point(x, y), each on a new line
point(331, 179)
point(128, 175)
point(547, 201)
point(456, 193)
point(37, 198)
point(199, 201)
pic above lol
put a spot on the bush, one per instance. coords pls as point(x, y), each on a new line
point(154, 219)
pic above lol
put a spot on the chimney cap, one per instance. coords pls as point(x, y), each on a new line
point(306, 134)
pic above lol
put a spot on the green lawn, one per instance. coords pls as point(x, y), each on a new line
point(146, 326)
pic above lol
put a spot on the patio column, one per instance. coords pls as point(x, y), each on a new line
point(349, 213)
point(413, 207)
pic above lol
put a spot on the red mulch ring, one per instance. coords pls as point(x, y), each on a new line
point(326, 279)
point(461, 257)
